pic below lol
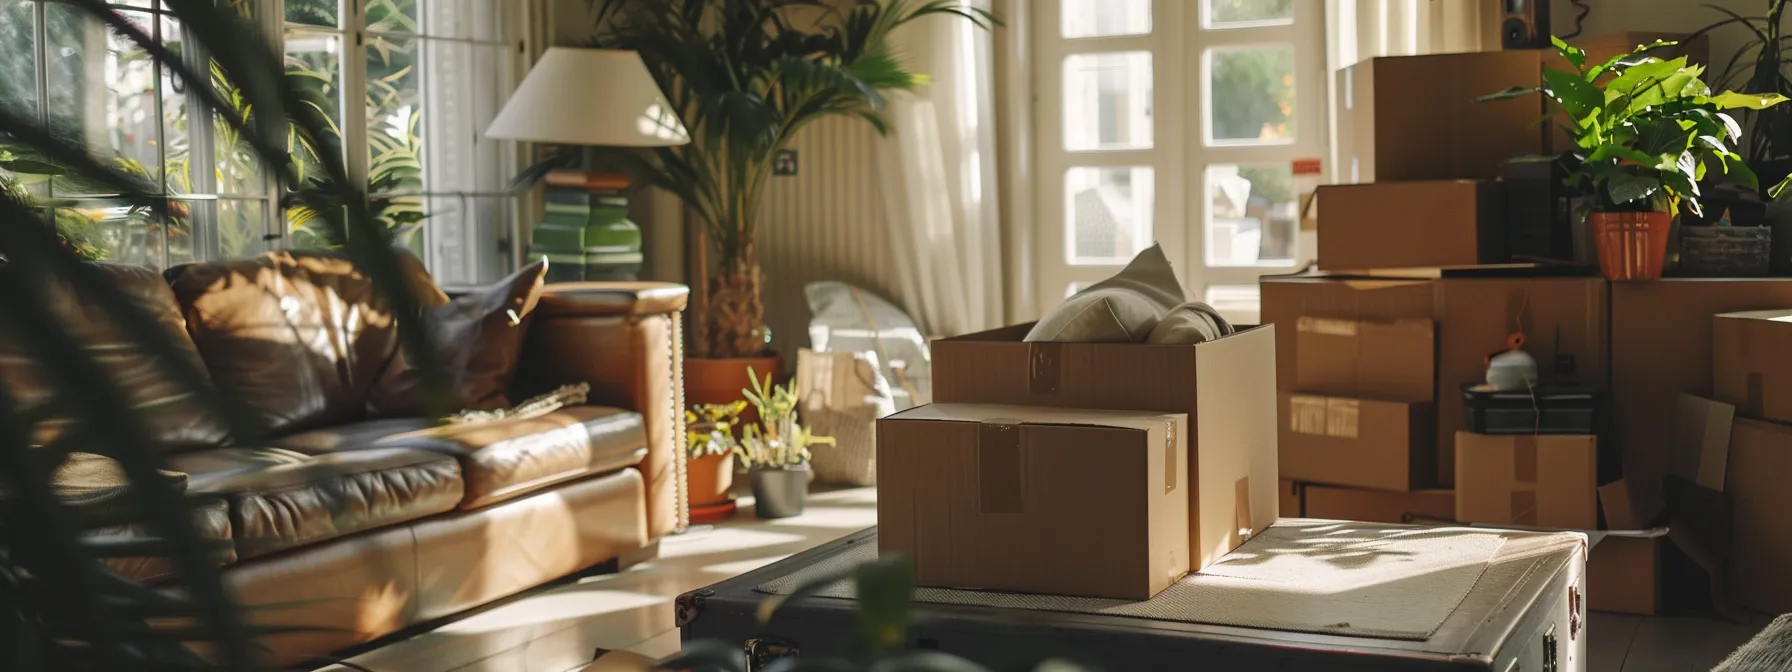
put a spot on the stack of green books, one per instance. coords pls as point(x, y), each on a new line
point(586, 234)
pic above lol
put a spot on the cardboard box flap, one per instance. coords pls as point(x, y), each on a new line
point(1394, 360)
point(1701, 448)
point(1002, 414)
point(1623, 511)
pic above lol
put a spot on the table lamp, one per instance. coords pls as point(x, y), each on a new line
point(589, 98)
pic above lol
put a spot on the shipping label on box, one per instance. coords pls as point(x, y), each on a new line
point(1226, 387)
point(1365, 443)
point(1752, 362)
point(1393, 361)
point(1528, 480)
point(1044, 500)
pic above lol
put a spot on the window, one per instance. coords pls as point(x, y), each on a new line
point(1182, 123)
point(412, 81)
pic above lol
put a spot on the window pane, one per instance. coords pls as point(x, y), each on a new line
point(398, 16)
point(1103, 18)
point(1251, 95)
point(1239, 304)
point(317, 58)
point(103, 91)
point(123, 234)
point(177, 155)
point(18, 57)
point(1107, 101)
point(395, 117)
point(1252, 215)
point(312, 12)
point(240, 228)
point(1243, 13)
point(460, 239)
point(1107, 214)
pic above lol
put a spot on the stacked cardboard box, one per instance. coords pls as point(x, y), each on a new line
point(1750, 373)
point(997, 486)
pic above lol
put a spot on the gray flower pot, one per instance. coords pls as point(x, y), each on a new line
point(780, 493)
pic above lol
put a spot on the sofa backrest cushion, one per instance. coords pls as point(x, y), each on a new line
point(299, 337)
point(174, 417)
point(479, 339)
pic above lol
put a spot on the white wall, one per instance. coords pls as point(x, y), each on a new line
point(1673, 16)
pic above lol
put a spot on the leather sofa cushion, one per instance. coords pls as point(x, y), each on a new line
point(300, 337)
point(506, 458)
point(211, 517)
point(173, 417)
point(281, 499)
point(479, 337)
point(354, 435)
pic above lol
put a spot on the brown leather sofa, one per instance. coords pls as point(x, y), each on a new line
point(364, 525)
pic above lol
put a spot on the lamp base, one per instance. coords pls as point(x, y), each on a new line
point(586, 234)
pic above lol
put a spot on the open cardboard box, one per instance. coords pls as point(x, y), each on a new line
point(1226, 387)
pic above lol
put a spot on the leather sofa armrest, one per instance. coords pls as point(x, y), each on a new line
point(626, 340)
point(599, 299)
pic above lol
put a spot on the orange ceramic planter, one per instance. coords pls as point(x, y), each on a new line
point(1632, 245)
point(709, 478)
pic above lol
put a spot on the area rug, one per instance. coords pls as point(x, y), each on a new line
point(1300, 576)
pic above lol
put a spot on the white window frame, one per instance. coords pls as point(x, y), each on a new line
point(1179, 44)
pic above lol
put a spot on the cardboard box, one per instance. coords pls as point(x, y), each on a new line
point(1564, 320)
point(1225, 387)
point(1760, 461)
point(1378, 506)
point(1363, 443)
point(1661, 347)
point(1624, 575)
point(1288, 498)
point(986, 496)
point(1433, 224)
point(1286, 299)
point(1415, 117)
point(1701, 450)
point(1393, 361)
point(1751, 365)
point(1534, 481)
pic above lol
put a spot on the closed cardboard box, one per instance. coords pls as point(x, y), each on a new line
point(1380, 506)
point(1431, 224)
point(1661, 347)
point(1393, 361)
point(1751, 365)
point(1564, 321)
point(1415, 117)
point(1364, 443)
point(1624, 575)
point(1041, 500)
point(1287, 299)
point(1226, 388)
point(1533, 481)
point(1760, 564)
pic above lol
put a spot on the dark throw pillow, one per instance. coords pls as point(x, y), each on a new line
point(478, 338)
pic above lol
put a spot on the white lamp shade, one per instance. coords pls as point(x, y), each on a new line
point(592, 97)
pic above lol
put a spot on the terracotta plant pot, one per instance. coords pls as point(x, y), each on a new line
point(1632, 245)
point(709, 478)
point(719, 381)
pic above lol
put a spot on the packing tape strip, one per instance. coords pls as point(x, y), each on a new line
point(1044, 367)
point(1324, 416)
point(1327, 326)
point(1169, 456)
point(1001, 486)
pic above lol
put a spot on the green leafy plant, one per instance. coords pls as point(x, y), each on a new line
point(745, 76)
point(1759, 68)
point(778, 441)
point(709, 429)
point(1646, 130)
point(61, 606)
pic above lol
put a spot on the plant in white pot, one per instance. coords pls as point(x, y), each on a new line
point(776, 450)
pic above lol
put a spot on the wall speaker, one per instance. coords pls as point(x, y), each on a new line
point(1524, 24)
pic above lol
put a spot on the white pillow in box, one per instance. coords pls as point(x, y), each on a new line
point(1121, 309)
point(1191, 323)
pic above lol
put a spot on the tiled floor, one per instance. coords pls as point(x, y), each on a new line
point(557, 630)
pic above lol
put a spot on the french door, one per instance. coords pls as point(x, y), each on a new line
point(1196, 124)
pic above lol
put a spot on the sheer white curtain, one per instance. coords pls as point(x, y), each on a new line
point(1361, 29)
point(937, 178)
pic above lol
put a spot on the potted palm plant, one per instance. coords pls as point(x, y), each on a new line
point(709, 453)
point(776, 450)
point(1646, 131)
point(745, 76)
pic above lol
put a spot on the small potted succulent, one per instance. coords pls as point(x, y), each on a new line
point(1647, 132)
point(776, 450)
point(709, 453)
